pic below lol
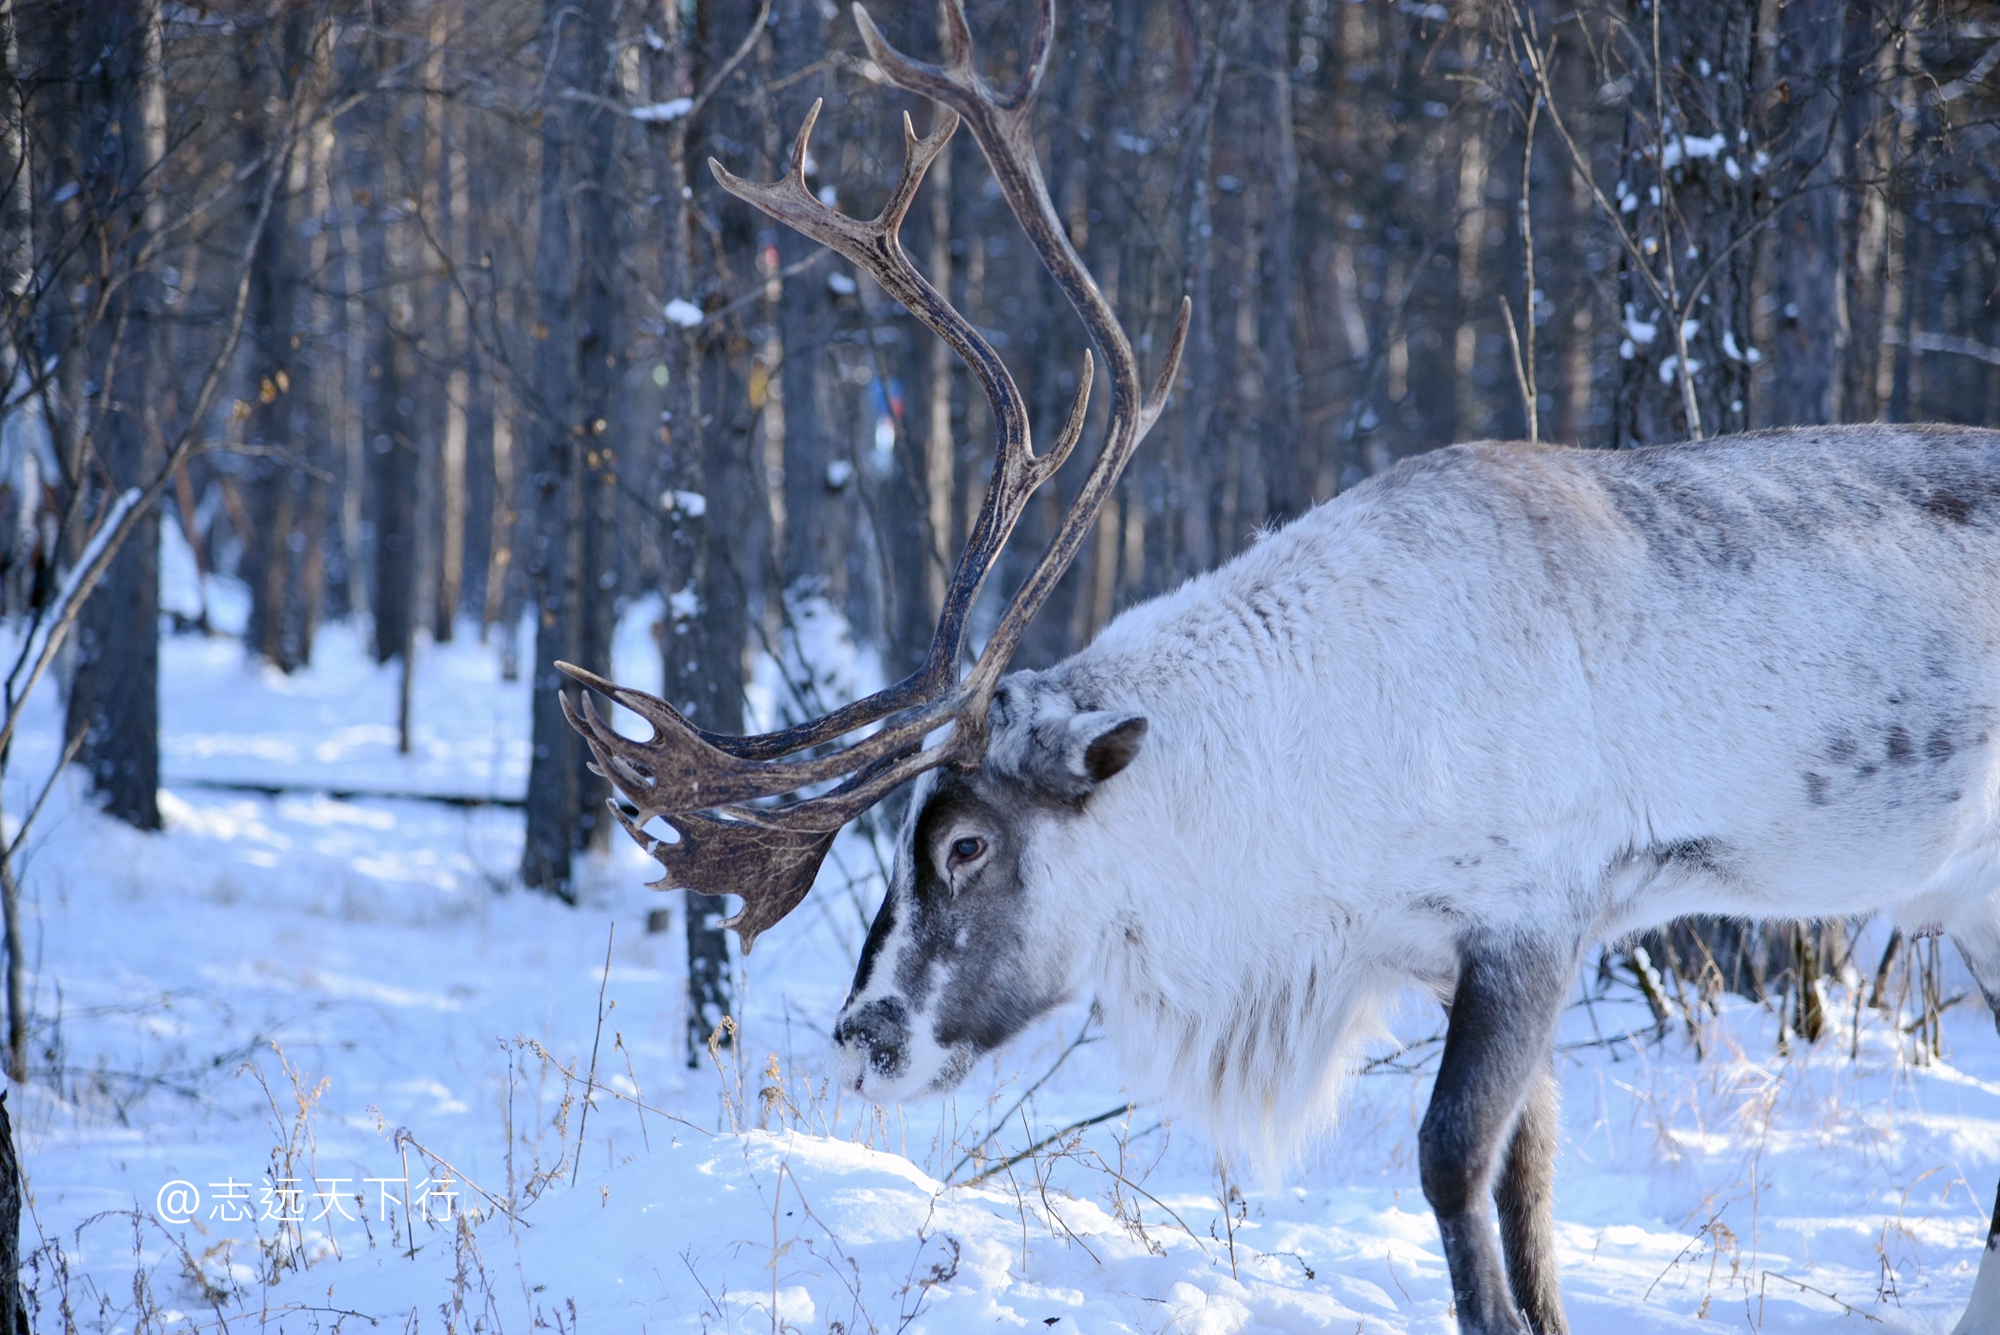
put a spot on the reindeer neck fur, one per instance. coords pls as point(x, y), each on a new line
point(1505, 689)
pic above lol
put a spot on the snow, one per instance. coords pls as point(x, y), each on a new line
point(192, 990)
point(180, 571)
point(690, 503)
point(1688, 148)
point(671, 110)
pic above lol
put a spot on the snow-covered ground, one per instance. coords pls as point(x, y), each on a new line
point(342, 1009)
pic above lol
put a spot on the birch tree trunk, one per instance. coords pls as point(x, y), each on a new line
point(457, 344)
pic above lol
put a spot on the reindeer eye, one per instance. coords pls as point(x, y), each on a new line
point(966, 849)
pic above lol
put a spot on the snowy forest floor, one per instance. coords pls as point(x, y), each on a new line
point(338, 1010)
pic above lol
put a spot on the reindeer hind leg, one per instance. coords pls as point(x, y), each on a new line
point(1978, 941)
point(1982, 1314)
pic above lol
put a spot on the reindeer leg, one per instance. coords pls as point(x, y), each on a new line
point(1503, 1016)
point(1525, 1195)
point(1982, 1314)
point(1979, 942)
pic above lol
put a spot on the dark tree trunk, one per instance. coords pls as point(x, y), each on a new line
point(819, 518)
point(571, 484)
point(389, 459)
point(280, 430)
point(704, 652)
point(1284, 469)
point(601, 364)
point(1192, 487)
point(704, 437)
point(13, 1312)
point(114, 695)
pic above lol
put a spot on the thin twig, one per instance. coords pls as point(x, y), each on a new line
point(1845, 1306)
point(1082, 1036)
point(756, 292)
point(749, 44)
point(1050, 1139)
point(403, 1137)
point(1524, 364)
point(1522, 376)
point(590, 1083)
point(69, 751)
point(569, 1073)
point(1171, 1213)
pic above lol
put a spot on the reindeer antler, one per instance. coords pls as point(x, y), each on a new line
point(698, 781)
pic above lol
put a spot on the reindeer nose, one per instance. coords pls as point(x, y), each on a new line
point(883, 1028)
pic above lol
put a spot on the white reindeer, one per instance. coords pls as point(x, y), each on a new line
point(1495, 705)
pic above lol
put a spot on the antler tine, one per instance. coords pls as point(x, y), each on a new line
point(1170, 366)
point(797, 169)
point(767, 857)
point(873, 245)
point(937, 82)
point(630, 776)
point(685, 773)
point(648, 843)
point(959, 69)
point(1029, 86)
point(918, 154)
point(1002, 125)
point(607, 743)
point(1079, 408)
point(957, 39)
point(1126, 433)
point(670, 722)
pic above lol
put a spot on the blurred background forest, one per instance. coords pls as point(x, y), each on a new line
point(428, 315)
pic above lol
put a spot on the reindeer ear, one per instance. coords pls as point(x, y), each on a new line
point(1102, 743)
point(1067, 754)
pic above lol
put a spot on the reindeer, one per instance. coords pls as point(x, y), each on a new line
point(1494, 705)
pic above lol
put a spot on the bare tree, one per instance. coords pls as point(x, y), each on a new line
point(111, 51)
point(575, 469)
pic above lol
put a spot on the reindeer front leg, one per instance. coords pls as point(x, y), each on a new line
point(1525, 1194)
point(1503, 1016)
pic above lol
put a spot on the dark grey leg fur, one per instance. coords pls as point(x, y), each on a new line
point(1496, 1051)
point(1993, 1229)
point(1525, 1195)
point(1982, 955)
point(1980, 944)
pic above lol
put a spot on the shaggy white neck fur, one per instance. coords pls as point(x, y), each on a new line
point(1385, 725)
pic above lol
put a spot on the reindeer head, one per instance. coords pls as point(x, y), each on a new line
point(975, 938)
point(712, 788)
